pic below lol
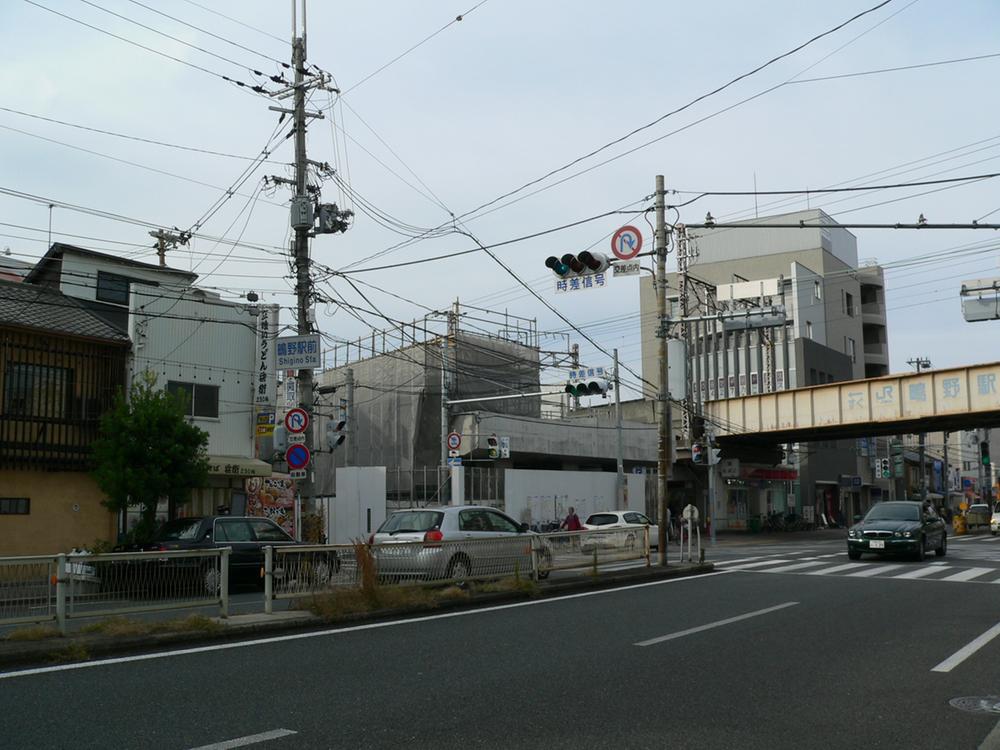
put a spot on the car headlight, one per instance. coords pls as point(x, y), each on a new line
point(900, 534)
point(852, 532)
point(907, 534)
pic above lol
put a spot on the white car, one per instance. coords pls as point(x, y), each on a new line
point(623, 519)
point(995, 520)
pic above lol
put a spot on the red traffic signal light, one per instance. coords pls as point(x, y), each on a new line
point(583, 264)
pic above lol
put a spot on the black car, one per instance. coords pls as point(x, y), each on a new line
point(900, 526)
point(246, 536)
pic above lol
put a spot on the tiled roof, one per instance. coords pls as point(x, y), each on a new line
point(41, 308)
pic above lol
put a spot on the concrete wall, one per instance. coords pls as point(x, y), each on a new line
point(568, 441)
point(534, 496)
point(66, 512)
point(201, 340)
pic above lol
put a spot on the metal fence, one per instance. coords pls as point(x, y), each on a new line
point(61, 587)
point(291, 572)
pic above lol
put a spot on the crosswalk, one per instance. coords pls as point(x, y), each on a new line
point(832, 565)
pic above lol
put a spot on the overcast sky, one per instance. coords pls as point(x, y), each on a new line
point(514, 90)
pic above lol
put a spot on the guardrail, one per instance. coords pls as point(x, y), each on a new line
point(291, 572)
point(62, 587)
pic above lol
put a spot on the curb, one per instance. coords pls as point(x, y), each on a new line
point(58, 650)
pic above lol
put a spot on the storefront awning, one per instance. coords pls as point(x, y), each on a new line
point(237, 466)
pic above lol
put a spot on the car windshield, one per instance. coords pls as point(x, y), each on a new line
point(888, 512)
point(179, 530)
point(411, 520)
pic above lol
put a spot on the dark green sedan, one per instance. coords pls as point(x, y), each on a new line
point(898, 527)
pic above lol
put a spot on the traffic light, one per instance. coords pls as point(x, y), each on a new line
point(336, 433)
point(984, 452)
point(884, 469)
point(494, 446)
point(590, 387)
point(582, 264)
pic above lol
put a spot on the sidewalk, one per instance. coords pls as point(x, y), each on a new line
point(78, 646)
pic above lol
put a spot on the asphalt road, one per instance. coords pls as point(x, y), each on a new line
point(795, 652)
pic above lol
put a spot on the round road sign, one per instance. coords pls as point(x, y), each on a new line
point(296, 420)
point(297, 456)
point(626, 243)
point(454, 441)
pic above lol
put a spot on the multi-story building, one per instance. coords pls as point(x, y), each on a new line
point(191, 339)
point(60, 368)
point(834, 330)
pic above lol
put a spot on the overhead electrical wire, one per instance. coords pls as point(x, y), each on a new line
point(237, 21)
point(403, 54)
point(256, 89)
point(138, 139)
point(283, 64)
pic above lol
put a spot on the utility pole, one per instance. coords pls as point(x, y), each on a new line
point(168, 241)
point(947, 473)
point(664, 438)
point(921, 363)
point(352, 431)
point(302, 217)
point(574, 354)
point(621, 491)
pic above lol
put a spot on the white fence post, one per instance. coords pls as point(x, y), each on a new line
point(269, 579)
point(224, 582)
point(645, 535)
point(534, 558)
point(61, 593)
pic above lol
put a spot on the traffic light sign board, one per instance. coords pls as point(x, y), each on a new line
point(585, 270)
point(884, 468)
point(588, 381)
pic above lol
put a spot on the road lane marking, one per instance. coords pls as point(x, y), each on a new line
point(250, 739)
point(790, 568)
point(921, 572)
point(743, 560)
point(757, 564)
point(349, 629)
point(873, 571)
point(967, 650)
point(716, 624)
point(969, 574)
point(992, 741)
point(835, 569)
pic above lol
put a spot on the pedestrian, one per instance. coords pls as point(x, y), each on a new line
point(572, 521)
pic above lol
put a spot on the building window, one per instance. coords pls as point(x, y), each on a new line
point(850, 349)
point(200, 400)
point(849, 304)
point(818, 289)
point(813, 380)
point(112, 288)
point(809, 330)
point(37, 390)
point(15, 506)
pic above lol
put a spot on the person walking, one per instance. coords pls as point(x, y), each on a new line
point(572, 521)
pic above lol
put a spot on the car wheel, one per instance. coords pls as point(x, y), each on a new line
point(544, 565)
point(459, 568)
point(853, 554)
point(211, 581)
point(325, 567)
point(921, 551)
point(943, 549)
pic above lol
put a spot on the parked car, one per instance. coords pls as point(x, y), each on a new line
point(995, 520)
point(247, 536)
point(622, 519)
point(977, 515)
point(900, 526)
point(453, 542)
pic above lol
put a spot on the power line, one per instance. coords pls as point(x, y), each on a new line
point(209, 33)
point(125, 136)
point(259, 90)
point(678, 110)
point(896, 69)
point(236, 21)
point(423, 41)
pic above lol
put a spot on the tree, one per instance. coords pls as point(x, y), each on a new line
point(147, 450)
